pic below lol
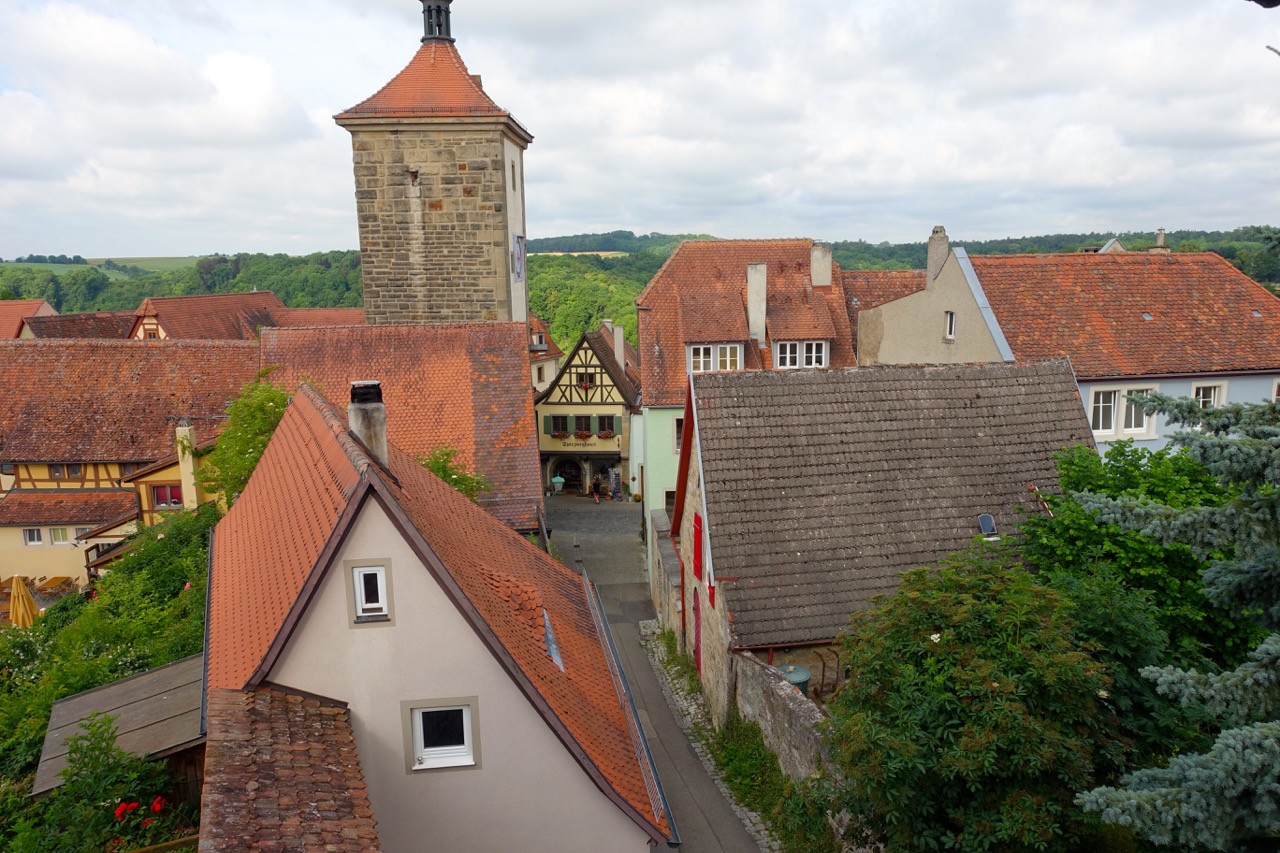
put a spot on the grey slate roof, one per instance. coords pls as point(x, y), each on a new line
point(823, 486)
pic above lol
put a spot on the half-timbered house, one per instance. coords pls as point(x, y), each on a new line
point(583, 415)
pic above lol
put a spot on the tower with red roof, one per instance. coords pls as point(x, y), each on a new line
point(439, 171)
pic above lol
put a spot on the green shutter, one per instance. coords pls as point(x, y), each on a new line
point(595, 424)
point(546, 425)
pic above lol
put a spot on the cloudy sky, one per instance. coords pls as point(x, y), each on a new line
point(156, 127)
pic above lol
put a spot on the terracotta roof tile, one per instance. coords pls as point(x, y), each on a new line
point(1206, 316)
point(282, 773)
point(14, 311)
point(625, 376)
point(114, 325)
point(434, 83)
point(274, 539)
point(699, 296)
point(462, 384)
point(21, 507)
point(869, 472)
point(876, 287)
point(114, 401)
point(539, 326)
point(214, 316)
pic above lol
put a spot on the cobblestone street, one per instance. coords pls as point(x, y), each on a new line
point(604, 541)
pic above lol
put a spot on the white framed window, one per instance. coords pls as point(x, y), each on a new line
point(1113, 417)
point(705, 357)
point(58, 536)
point(442, 733)
point(1210, 395)
point(815, 353)
point(32, 536)
point(949, 332)
point(81, 531)
point(786, 355)
point(369, 583)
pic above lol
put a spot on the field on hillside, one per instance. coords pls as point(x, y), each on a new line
point(60, 269)
point(152, 264)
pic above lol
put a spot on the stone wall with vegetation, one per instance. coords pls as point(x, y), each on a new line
point(787, 719)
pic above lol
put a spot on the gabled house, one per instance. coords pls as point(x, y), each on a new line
point(13, 312)
point(805, 494)
point(459, 384)
point(112, 325)
point(584, 413)
point(730, 305)
point(79, 416)
point(228, 316)
point(544, 355)
point(484, 699)
point(1184, 324)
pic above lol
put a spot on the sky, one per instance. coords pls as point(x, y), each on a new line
point(152, 127)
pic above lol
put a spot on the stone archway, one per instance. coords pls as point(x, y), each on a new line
point(575, 479)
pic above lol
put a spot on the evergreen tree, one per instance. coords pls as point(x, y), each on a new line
point(1229, 797)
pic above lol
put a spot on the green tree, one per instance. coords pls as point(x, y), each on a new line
point(1227, 798)
point(971, 714)
point(443, 462)
point(1072, 540)
point(251, 420)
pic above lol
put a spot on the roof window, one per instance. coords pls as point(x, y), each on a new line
point(987, 526)
point(1146, 315)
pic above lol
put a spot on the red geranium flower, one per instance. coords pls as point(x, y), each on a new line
point(124, 808)
point(158, 803)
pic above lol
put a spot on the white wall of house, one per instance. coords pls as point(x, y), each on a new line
point(1154, 433)
point(525, 791)
point(661, 458)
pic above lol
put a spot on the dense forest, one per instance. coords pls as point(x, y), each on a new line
point(574, 282)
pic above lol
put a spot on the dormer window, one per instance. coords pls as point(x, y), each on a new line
point(788, 355)
point(707, 357)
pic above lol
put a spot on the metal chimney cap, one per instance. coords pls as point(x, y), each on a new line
point(366, 391)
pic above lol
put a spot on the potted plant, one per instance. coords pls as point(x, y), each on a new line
point(582, 434)
point(605, 433)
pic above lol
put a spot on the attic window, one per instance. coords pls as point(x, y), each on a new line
point(1257, 313)
point(442, 734)
point(987, 526)
point(1146, 315)
point(371, 592)
point(553, 648)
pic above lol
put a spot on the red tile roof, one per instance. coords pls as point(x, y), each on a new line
point(1092, 307)
point(14, 311)
point(434, 83)
point(876, 287)
point(539, 326)
point(100, 324)
point(304, 317)
point(27, 507)
point(626, 376)
point(492, 574)
point(213, 316)
point(461, 384)
point(699, 296)
point(113, 401)
point(282, 773)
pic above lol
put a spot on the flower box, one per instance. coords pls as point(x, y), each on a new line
point(559, 435)
point(582, 434)
point(605, 433)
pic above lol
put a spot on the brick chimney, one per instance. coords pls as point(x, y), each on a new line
point(185, 443)
point(619, 351)
point(1159, 248)
point(368, 418)
point(757, 300)
point(939, 249)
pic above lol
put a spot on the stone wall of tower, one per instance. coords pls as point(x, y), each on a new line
point(433, 224)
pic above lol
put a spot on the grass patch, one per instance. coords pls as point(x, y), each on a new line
point(152, 264)
point(680, 664)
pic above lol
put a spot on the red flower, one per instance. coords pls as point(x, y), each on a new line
point(124, 808)
point(147, 821)
point(158, 803)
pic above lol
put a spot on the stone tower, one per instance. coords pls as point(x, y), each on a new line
point(439, 173)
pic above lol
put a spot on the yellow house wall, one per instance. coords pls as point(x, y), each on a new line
point(93, 475)
point(912, 330)
point(44, 560)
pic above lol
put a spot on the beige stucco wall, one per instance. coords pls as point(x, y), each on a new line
point(912, 330)
point(527, 792)
point(44, 560)
point(716, 663)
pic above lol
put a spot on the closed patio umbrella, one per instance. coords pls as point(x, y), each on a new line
point(22, 609)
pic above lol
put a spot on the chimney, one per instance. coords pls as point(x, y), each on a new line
point(757, 290)
point(619, 351)
point(1159, 248)
point(820, 265)
point(368, 418)
point(185, 443)
point(939, 249)
point(608, 324)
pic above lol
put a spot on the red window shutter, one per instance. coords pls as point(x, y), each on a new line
point(697, 546)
